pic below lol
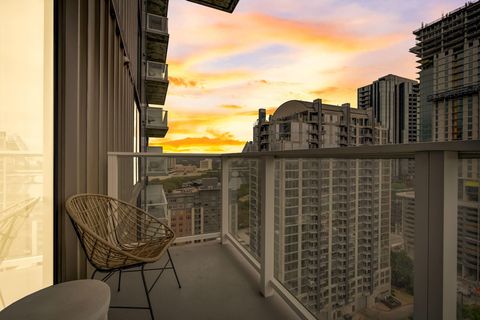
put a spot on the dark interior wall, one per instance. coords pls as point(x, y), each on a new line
point(96, 86)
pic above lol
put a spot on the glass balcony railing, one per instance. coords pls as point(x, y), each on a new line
point(157, 24)
point(243, 207)
point(157, 71)
point(25, 252)
point(157, 122)
point(339, 233)
point(183, 191)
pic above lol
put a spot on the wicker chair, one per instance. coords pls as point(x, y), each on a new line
point(117, 236)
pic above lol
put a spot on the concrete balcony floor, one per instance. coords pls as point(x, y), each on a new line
point(217, 283)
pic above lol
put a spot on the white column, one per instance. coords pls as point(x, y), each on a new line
point(436, 194)
point(113, 176)
point(267, 194)
point(225, 199)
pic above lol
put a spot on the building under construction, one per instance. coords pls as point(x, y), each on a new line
point(448, 56)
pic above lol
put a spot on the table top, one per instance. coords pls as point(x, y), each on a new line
point(73, 300)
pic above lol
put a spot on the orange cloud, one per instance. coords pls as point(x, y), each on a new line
point(220, 143)
point(187, 123)
point(182, 71)
point(330, 35)
point(325, 91)
point(333, 94)
point(230, 106)
point(255, 112)
point(246, 31)
point(181, 82)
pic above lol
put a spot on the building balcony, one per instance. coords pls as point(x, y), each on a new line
point(156, 81)
point(237, 241)
point(156, 38)
point(158, 7)
point(157, 122)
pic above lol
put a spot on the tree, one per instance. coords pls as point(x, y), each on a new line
point(471, 312)
point(402, 271)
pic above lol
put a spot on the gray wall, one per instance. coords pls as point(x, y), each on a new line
point(96, 90)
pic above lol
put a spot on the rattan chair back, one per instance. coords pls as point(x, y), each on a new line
point(115, 234)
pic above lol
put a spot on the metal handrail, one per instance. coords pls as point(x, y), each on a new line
point(466, 149)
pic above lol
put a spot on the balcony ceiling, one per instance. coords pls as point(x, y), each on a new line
point(224, 5)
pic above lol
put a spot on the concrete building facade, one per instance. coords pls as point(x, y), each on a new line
point(305, 125)
point(394, 103)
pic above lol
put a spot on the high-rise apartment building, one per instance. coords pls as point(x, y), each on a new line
point(394, 103)
point(306, 125)
point(332, 250)
point(448, 52)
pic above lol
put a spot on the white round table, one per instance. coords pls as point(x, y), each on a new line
point(74, 300)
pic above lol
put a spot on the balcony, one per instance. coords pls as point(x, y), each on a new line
point(219, 285)
point(158, 7)
point(157, 38)
point(157, 122)
point(237, 195)
point(156, 80)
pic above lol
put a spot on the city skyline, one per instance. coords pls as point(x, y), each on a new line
point(235, 64)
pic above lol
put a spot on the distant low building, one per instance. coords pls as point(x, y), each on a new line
point(195, 209)
point(206, 165)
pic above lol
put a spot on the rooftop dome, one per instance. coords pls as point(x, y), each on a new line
point(290, 108)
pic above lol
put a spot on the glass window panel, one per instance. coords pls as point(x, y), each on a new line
point(26, 147)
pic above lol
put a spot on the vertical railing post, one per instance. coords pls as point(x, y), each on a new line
point(436, 194)
point(112, 176)
point(267, 200)
point(225, 199)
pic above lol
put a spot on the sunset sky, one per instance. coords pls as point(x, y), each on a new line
point(223, 67)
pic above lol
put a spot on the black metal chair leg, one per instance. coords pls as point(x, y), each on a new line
point(147, 293)
point(93, 274)
point(174, 270)
point(119, 280)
